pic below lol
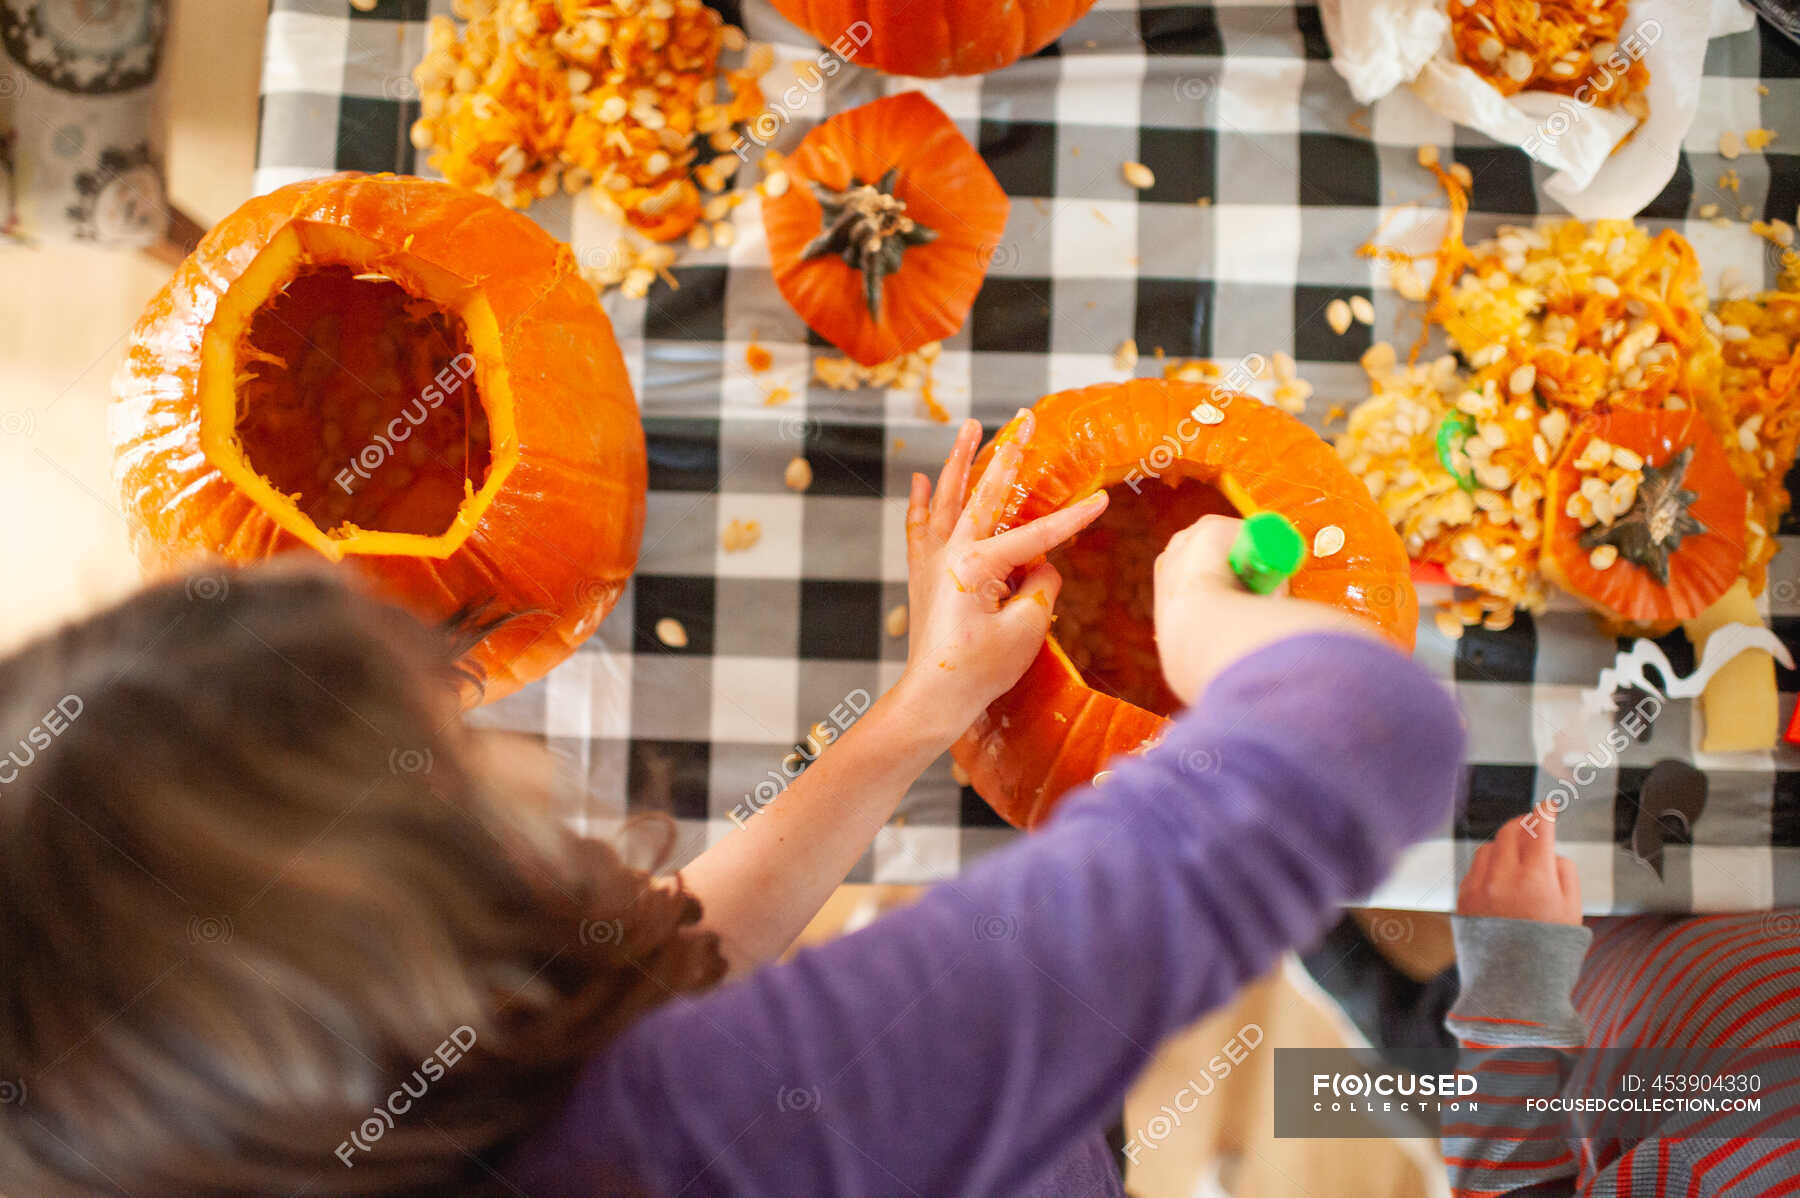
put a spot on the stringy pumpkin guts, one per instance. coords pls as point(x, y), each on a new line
point(1105, 613)
point(338, 407)
point(602, 96)
point(1565, 46)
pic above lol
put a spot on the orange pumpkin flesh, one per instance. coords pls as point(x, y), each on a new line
point(325, 369)
point(516, 493)
point(944, 186)
point(1056, 729)
point(929, 39)
point(1104, 613)
point(1700, 569)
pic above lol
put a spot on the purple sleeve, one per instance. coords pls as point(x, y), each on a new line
point(958, 1045)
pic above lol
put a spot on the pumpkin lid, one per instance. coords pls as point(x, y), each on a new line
point(1645, 519)
point(886, 246)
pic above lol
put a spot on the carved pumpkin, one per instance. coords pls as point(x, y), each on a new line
point(1168, 453)
point(402, 376)
point(933, 38)
point(1663, 548)
point(882, 239)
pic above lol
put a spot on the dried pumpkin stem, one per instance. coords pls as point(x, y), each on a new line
point(867, 226)
point(1653, 526)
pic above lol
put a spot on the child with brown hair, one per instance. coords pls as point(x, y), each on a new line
point(244, 952)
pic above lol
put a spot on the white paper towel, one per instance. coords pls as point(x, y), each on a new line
point(1378, 45)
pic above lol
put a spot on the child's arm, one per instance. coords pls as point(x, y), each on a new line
point(958, 1045)
point(970, 642)
point(1519, 948)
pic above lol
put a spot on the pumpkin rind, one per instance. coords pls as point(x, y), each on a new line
point(552, 536)
point(929, 39)
point(946, 187)
point(1052, 732)
point(1700, 570)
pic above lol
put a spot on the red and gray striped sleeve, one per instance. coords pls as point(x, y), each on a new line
point(1519, 1034)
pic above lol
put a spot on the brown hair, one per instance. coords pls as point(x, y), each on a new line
point(255, 874)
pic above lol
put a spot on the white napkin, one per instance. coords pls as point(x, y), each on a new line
point(1377, 45)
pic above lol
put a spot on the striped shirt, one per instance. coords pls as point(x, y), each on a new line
point(1627, 1067)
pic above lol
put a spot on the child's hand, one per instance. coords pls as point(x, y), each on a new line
point(1519, 876)
point(974, 632)
point(1205, 621)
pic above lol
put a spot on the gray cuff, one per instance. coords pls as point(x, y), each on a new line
point(1517, 975)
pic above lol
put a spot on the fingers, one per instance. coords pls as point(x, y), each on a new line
point(918, 518)
point(983, 510)
point(953, 482)
point(1202, 551)
point(1532, 836)
point(1035, 599)
point(1016, 547)
point(1570, 880)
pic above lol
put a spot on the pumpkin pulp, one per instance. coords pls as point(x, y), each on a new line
point(1105, 615)
point(355, 394)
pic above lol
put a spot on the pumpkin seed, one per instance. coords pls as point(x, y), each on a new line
point(1206, 413)
point(896, 622)
point(1603, 556)
point(1327, 541)
point(799, 474)
point(671, 633)
point(1338, 316)
point(1362, 309)
point(1138, 175)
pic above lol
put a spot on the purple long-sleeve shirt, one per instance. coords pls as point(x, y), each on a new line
point(976, 1042)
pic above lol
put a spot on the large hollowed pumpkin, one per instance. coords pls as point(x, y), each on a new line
point(404, 377)
point(1167, 453)
point(1670, 543)
point(885, 234)
point(934, 38)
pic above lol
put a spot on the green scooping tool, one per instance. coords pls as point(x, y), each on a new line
point(1267, 552)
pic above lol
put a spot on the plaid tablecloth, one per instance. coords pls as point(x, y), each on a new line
point(1267, 178)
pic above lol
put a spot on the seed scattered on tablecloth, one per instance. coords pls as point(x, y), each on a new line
point(1405, 280)
point(1362, 309)
point(1462, 174)
point(1378, 359)
point(1338, 316)
point(364, 5)
point(1328, 540)
point(1428, 156)
point(724, 233)
point(1138, 175)
point(799, 474)
point(896, 622)
point(1448, 623)
point(1207, 413)
point(958, 774)
point(670, 632)
point(1730, 144)
point(1125, 357)
point(740, 535)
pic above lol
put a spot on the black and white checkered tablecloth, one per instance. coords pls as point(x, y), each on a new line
point(1234, 104)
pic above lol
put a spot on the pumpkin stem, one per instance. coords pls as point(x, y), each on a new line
point(1653, 526)
point(866, 225)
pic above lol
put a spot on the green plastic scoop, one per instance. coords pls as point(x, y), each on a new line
point(1267, 552)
